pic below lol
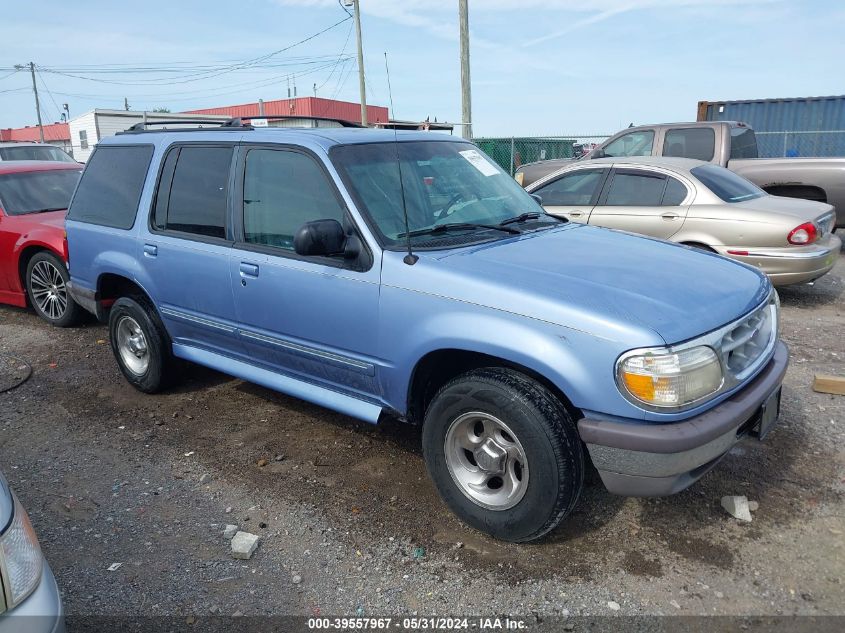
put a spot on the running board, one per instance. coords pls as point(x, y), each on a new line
point(334, 400)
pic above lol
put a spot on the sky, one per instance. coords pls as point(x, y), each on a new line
point(539, 67)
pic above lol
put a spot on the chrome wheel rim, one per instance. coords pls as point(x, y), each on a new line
point(49, 293)
point(486, 460)
point(132, 345)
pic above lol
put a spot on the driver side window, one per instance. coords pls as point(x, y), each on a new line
point(282, 191)
point(639, 143)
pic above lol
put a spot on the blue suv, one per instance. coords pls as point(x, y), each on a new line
point(407, 275)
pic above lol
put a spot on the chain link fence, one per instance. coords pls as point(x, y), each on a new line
point(807, 144)
point(512, 151)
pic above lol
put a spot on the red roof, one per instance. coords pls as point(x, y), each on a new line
point(23, 166)
point(305, 107)
point(52, 132)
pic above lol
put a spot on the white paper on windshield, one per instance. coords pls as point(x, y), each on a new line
point(479, 162)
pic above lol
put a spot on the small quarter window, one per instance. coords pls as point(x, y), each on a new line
point(675, 194)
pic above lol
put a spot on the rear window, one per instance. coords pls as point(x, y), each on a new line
point(37, 191)
point(35, 152)
point(193, 197)
point(743, 143)
point(692, 142)
point(727, 185)
point(111, 186)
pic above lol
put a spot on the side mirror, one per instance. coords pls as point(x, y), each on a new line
point(597, 153)
point(320, 237)
point(539, 199)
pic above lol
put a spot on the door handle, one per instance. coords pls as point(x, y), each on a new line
point(249, 270)
point(576, 214)
point(150, 250)
point(669, 216)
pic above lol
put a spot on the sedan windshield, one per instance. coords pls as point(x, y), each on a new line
point(36, 191)
point(727, 185)
point(35, 152)
point(444, 183)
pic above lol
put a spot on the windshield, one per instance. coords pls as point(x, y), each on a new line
point(35, 152)
point(34, 191)
point(444, 183)
point(727, 185)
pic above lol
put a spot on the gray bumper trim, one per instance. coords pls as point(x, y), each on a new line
point(644, 460)
point(675, 437)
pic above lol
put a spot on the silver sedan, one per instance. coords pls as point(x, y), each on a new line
point(698, 204)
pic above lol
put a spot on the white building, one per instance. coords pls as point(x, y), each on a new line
point(90, 128)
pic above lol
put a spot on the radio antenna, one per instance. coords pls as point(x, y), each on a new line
point(410, 258)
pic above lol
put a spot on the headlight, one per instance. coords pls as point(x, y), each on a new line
point(20, 558)
point(666, 379)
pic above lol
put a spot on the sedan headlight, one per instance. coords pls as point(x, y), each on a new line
point(20, 558)
point(669, 379)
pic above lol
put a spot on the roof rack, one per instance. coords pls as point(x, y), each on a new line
point(141, 126)
point(235, 123)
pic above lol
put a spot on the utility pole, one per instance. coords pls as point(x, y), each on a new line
point(35, 92)
point(466, 91)
point(361, 83)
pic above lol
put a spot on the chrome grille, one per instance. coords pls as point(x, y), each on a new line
point(745, 344)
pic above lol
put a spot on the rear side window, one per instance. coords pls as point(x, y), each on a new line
point(693, 142)
point(729, 186)
point(193, 191)
point(635, 190)
point(111, 186)
point(578, 188)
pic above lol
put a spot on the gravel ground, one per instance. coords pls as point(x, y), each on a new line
point(350, 524)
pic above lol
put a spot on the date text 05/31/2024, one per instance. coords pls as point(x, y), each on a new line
point(417, 623)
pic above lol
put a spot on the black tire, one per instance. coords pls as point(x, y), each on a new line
point(160, 366)
point(60, 310)
point(546, 432)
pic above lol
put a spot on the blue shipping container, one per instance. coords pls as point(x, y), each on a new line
point(807, 126)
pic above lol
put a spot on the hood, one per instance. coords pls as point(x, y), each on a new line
point(608, 283)
point(798, 208)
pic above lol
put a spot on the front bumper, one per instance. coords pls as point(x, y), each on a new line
point(41, 612)
point(791, 265)
point(639, 459)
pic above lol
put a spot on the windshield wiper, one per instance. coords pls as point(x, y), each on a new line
point(455, 226)
point(524, 217)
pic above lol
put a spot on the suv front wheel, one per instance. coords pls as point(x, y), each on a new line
point(504, 453)
point(140, 344)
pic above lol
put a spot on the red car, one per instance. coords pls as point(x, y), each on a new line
point(34, 196)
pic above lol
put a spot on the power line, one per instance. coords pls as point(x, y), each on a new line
point(205, 74)
point(49, 94)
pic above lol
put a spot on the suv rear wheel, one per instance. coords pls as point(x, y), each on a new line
point(504, 453)
point(140, 344)
point(46, 285)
